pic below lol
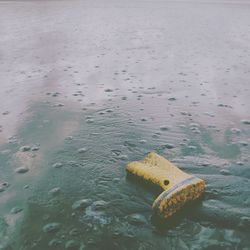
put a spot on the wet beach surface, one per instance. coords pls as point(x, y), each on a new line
point(88, 86)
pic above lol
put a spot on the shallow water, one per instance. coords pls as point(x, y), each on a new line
point(87, 87)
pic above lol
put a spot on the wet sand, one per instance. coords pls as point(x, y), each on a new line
point(87, 86)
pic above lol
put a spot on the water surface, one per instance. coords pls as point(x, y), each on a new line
point(87, 87)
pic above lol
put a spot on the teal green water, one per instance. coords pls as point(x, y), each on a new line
point(48, 193)
point(88, 86)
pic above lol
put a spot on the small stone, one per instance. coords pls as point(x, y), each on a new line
point(88, 117)
point(109, 110)
point(195, 130)
point(172, 99)
point(204, 163)
point(240, 163)
point(81, 150)
point(51, 227)
point(164, 128)
point(169, 146)
point(99, 205)
point(55, 94)
point(108, 90)
point(54, 243)
point(235, 130)
point(21, 170)
point(193, 124)
point(184, 113)
point(81, 204)
point(57, 165)
point(16, 210)
point(59, 105)
point(225, 172)
point(130, 234)
point(122, 157)
point(246, 122)
point(54, 191)
point(25, 148)
point(35, 148)
point(74, 232)
point(89, 120)
point(5, 112)
point(136, 219)
point(243, 143)
point(73, 164)
point(72, 244)
point(4, 184)
point(224, 105)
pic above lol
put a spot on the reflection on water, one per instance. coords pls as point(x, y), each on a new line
point(84, 91)
point(81, 199)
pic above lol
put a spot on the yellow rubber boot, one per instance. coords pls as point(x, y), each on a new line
point(178, 186)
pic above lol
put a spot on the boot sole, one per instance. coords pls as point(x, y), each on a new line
point(170, 201)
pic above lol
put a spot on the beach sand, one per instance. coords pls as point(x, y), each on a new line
point(88, 86)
